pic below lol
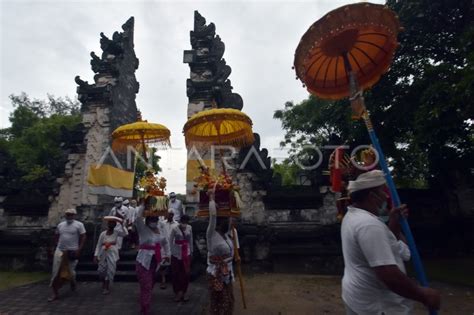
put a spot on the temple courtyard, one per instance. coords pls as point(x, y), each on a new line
point(266, 293)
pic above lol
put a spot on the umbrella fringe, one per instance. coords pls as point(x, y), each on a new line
point(246, 141)
point(123, 146)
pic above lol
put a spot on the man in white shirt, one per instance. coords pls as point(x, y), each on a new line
point(176, 206)
point(70, 238)
point(120, 211)
point(373, 282)
point(132, 216)
point(132, 211)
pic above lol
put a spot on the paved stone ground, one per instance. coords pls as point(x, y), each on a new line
point(88, 300)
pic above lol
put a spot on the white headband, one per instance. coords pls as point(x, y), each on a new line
point(367, 180)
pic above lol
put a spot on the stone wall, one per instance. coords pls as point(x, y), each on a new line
point(321, 209)
point(253, 210)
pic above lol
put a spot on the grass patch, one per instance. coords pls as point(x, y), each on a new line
point(11, 279)
point(453, 271)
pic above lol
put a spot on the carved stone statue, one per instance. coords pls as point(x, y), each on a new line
point(80, 82)
point(259, 163)
point(110, 48)
point(209, 72)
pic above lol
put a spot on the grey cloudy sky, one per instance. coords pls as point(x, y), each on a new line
point(45, 44)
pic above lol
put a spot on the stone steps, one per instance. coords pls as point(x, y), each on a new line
point(87, 270)
point(121, 265)
point(120, 276)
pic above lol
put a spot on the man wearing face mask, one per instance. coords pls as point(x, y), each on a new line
point(70, 237)
point(181, 243)
point(374, 281)
point(120, 211)
point(176, 206)
point(132, 216)
point(167, 226)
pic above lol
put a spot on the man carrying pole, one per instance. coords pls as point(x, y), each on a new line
point(374, 281)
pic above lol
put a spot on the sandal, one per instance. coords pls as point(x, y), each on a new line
point(163, 286)
point(185, 298)
point(52, 298)
point(178, 297)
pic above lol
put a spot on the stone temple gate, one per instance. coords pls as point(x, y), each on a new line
point(273, 216)
point(106, 104)
point(208, 86)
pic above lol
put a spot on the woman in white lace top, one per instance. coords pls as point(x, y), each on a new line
point(220, 249)
point(151, 240)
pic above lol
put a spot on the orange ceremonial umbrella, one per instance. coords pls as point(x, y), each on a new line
point(361, 38)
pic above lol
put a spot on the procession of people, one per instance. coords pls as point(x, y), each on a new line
point(373, 247)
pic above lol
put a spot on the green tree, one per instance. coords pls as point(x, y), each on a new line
point(422, 108)
point(31, 147)
point(141, 167)
point(314, 121)
point(287, 170)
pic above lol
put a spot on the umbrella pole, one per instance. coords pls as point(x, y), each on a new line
point(396, 201)
point(144, 148)
point(222, 162)
point(357, 97)
point(238, 267)
point(220, 148)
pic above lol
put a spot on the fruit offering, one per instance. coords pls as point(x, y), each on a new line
point(152, 185)
point(227, 195)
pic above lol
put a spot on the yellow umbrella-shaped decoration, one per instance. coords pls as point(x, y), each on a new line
point(141, 133)
point(360, 37)
point(219, 126)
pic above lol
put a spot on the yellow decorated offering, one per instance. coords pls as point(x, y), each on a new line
point(153, 189)
point(227, 195)
point(156, 206)
point(151, 184)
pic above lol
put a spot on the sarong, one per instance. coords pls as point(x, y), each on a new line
point(220, 287)
point(222, 300)
point(64, 269)
point(180, 275)
point(146, 279)
point(108, 262)
point(184, 244)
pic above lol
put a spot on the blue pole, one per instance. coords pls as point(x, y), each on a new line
point(420, 272)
